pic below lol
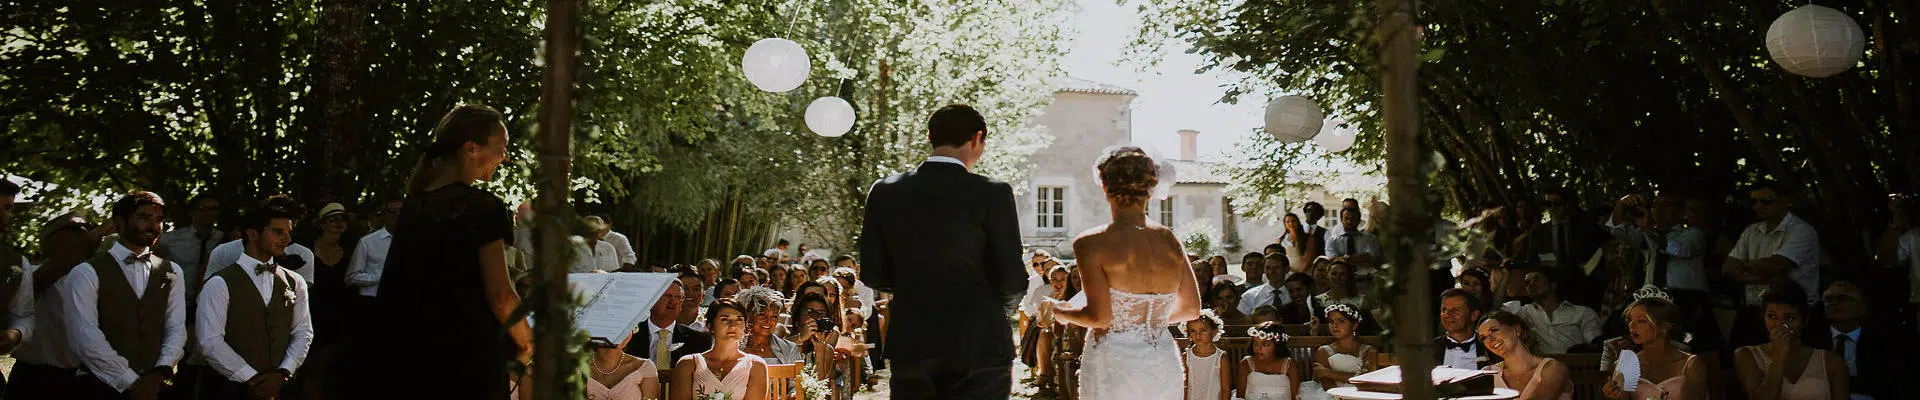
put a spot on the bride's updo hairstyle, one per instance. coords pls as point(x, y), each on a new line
point(1128, 175)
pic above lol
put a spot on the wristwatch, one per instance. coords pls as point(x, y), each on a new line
point(285, 375)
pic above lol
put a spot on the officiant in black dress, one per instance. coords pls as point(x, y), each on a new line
point(441, 329)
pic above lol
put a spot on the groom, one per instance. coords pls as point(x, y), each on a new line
point(946, 243)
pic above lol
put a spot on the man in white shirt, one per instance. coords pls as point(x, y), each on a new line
point(45, 366)
point(1780, 246)
point(253, 328)
point(623, 248)
point(369, 260)
point(189, 245)
point(1560, 325)
point(1356, 246)
point(127, 308)
point(778, 252)
point(1273, 290)
point(1036, 282)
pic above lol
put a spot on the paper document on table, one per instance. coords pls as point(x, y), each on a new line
point(613, 304)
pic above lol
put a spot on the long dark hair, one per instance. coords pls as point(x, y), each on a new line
point(468, 123)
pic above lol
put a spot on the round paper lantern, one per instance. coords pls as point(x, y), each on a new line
point(1815, 41)
point(830, 116)
point(1293, 119)
point(1336, 138)
point(776, 65)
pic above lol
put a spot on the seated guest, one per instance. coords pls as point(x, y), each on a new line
point(254, 325)
point(1475, 281)
point(1610, 348)
point(816, 332)
point(665, 339)
point(1267, 370)
point(763, 307)
point(1346, 357)
point(1202, 275)
point(1559, 324)
point(1873, 351)
point(1036, 282)
point(796, 276)
point(1037, 340)
point(850, 296)
point(746, 276)
point(690, 310)
point(725, 289)
point(1272, 290)
point(1783, 368)
point(1224, 298)
point(1299, 309)
point(621, 376)
point(1341, 288)
point(1537, 378)
point(724, 369)
point(1459, 346)
point(777, 278)
point(1665, 372)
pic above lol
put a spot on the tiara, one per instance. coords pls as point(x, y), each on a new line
point(1256, 333)
point(1651, 291)
point(1346, 310)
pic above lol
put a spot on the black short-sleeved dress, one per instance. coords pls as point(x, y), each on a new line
point(436, 334)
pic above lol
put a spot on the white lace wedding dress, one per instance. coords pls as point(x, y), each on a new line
point(1135, 357)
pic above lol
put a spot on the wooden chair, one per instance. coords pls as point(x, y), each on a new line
point(1586, 376)
point(783, 381)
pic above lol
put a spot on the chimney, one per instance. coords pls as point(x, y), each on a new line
point(1189, 143)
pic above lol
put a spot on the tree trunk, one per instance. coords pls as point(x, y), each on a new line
point(337, 94)
point(555, 364)
point(1408, 225)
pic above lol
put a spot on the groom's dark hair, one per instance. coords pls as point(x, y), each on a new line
point(954, 125)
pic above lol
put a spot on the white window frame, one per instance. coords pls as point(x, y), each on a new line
point(1166, 211)
point(1054, 220)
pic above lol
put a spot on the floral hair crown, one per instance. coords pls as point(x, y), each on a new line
point(1213, 317)
point(1256, 333)
point(1346, 310)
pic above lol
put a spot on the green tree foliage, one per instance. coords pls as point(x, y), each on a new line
point(1608, 98)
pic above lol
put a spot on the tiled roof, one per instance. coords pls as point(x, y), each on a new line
point(1072, 84)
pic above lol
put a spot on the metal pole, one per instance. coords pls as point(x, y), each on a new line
point(1409, 225)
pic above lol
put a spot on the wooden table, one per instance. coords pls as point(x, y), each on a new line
point(1350, 393)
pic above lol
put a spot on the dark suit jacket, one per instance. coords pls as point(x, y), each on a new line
point(1881, 358)
point(1580, 237)
point(696, 342)
point(1440, 352)
point(946, 243)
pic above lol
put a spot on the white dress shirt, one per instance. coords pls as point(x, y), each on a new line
point(184, 247)
point(229, 253)
point(46, 342)
point(599, 257)
point(210, 323)
point(21, 310)
point(1794, 239)
point(1462, 359)
point(949, 160)
point(1853, 343)
point(1263, 295)
point(1566, 326)
point(1910, 244)
point(1037, 290)
point(1363, 242)
point(81, 289)
point(622, 248)
point(369, 260)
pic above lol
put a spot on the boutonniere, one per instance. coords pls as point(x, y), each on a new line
point(1481, 359)
point(167, 278)
point(14, 272)
point(290, 295)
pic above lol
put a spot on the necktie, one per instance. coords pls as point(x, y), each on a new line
point(660, 351)
point(142, 257)
point(204, 236)
point(1840, 344)
point(1350, 245)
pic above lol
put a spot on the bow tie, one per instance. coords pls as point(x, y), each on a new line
point(142, 257)
point(1466, 347)
point(263, 268)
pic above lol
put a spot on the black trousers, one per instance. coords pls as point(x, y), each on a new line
point(952, 379)
point(37, 381)
point(90, 387)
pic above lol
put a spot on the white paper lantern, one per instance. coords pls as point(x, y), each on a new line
point(1293, 119)
point(1815, 41)
point(776, 65)
point(1334, 138)
point(830, 116)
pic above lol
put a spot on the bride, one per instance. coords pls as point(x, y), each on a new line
point(1137, 282)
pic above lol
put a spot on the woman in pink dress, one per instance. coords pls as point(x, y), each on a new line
point(1665, 372)
point(1784, 368)
point(724, 369)
point(621, 376)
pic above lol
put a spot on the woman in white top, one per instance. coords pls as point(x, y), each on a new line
point(724, 369)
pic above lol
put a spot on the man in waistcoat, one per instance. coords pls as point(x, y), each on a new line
point(126, 309)
point(253, 328)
